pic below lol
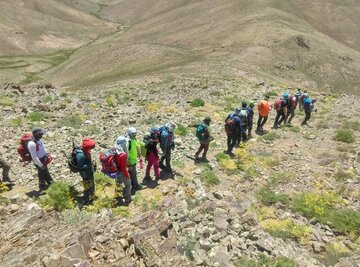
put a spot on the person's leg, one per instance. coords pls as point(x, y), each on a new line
point(290, 115)
point(168, 158)
point(265, 118)
point(307, 117)
point(199, 150)
point(206, 148)
point(250, 129)
point(148, 166)
point(282, 118)
point(42, 181)
point(258, 126)
point(133, 176)
point(156, 167)
point(163, 157)
point(48, 177)
point(6, 169)
point(276, 123)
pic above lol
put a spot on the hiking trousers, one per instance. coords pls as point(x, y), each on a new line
point(133, 175)
point(167, 157)
point(242, 136)
point(307, 117)
point(123, 188)
point(261, 122)
point(231, 142)
point(290, 115)
point(45, 178)
point(203, 146)
point(250, 125)
point(88, 185)
point(280, 117)
point(6, 169)
point(152, 160)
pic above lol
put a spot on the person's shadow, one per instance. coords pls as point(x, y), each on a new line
point(198, 160)
point(150, 183)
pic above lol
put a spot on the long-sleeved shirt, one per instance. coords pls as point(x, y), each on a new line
point(37, 151)
point(151, 145)
point(121, 160)
point(84, 164)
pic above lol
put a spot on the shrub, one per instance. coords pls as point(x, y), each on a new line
point(197, 102)
point(7, 102)
point(268, 197)
point(181, 130)
point(251, 173)
point(111, 100)
point(334, 252)
point(17, 122)
point(146, 203)
point(36, 116)
point(342, 175)
point(153, 107)
point(294, 129)
point(321, 206)
point(271, 136)
point(209, 177)
point(75, 216)
point(345, 135)
point(219, 156)
point(60, 196)
point(73, 121)
point(286, 229)
point(271, 93)
point(265, 261)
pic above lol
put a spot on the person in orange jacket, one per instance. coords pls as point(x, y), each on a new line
point(264, 108)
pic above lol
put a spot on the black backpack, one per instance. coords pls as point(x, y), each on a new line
point(72, 161)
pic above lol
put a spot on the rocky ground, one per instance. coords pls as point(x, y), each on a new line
point(224, 212)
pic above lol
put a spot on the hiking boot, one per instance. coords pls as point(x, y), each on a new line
point(169, 170)
point(147, 177)
point(139, 187)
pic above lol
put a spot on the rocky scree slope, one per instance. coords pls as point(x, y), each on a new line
point(226, 212)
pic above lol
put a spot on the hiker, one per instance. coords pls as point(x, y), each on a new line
point(204, 137)
point(134, 154)
point(40, 158)
point(301, 100)
point(232, 123)
point(264, 108)
point(298, 95)
point(152, 154)
point(123, 181)
point(244, 120)
point(167, 144)
point(86, 169)
point(6, 169)
point(250, 118)
point(280, 106)
point(308, 107)
point(291, 107)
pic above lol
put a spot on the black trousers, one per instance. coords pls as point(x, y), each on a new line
point(44, 176)
point(290, 115)
point(280, 117)
point(307, 117)
point(261, 122)
point(167, 158)
point(231, 141)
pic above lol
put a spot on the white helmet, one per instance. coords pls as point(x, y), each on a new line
point(131, 131)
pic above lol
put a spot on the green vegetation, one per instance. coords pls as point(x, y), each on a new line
point(60, 196)
point(271, 136)
point(4, 200)
point(147, 203)
point(178, 163)
point(181, 130)
point(74, 216)
point(265, 261)
point(36, 116)
point(251, 173)
point(73, 121)
point(294, 129)
point(188, 247)
point(343, 175)
point(268, 197)
point(197, 102)
point(17, 122)
point(47, 99)
point(286, 229)
point(209, 177)
point(324, 208)
point(345, 135)
point(231, 103)
point(272, 93)
point(111, 100)
point(6, 102)
point(334, 252)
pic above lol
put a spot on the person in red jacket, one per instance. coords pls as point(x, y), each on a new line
point(123, 176)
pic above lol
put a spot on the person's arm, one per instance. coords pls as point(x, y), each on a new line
point(32, 149)
point(122, 165)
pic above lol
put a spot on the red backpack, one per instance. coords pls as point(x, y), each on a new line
point(23, 149)
point(108, 162)
point(292, 101)
point(230, 126)
point(277, 104)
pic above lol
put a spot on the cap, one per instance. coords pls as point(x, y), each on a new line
point(244, 104)
point(286, 95)
point(131, 130)
point(88, 143)
point(251, 103)
point(38, 131)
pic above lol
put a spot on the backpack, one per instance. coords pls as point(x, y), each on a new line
point(23, 149)
point(72, 159)
point(230, 126)
point(277, 104)
point(243, 115)
point(143, 148)
point(292, 101)
point(108, 162)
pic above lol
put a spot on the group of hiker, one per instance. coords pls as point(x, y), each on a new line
point(120, 161)
point(238, 125)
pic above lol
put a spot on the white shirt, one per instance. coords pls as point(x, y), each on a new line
point(37, 154)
